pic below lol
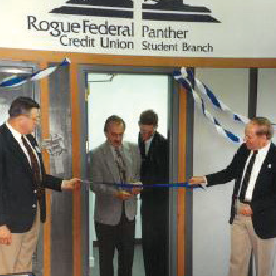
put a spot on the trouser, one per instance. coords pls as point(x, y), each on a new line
point(244, 240)
point(155, 238)
point(17, 257)
point(120, 236)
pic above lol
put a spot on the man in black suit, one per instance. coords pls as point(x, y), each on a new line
point(154, 152)
point(253, 210)
point(22, 187)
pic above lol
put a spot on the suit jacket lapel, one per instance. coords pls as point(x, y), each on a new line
point(151, 147)
point(241, 164)
point(128, 161)
point(112, 166)
point(141, 144)
point(266, 162)
point(15, 148)
point(110, 161)
point(35, 147)
point(153, 143)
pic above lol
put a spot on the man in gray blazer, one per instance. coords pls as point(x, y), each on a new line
point(115, 208)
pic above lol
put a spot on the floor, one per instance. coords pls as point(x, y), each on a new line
point(138, 264)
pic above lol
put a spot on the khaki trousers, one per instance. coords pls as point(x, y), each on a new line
point(243, 241)
point(17, 257)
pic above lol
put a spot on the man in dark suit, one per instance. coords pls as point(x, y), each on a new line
point(22, 187)
point(154, 152)
point(253, 210)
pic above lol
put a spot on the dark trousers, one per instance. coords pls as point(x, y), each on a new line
point(155, 238)
point(120, 236)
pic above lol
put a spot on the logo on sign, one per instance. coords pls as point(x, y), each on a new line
point(153, 10)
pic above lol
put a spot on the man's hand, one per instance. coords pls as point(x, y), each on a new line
point(246, 210)
point(195, 180)
point(71, 184)
point(5, 235)
point(123, 195)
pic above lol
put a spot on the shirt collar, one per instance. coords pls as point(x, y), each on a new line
point(112, 148)
point(150, 139)
point(16, 134)
point(264, 149)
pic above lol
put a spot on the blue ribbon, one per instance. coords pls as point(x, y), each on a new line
point(145, 186)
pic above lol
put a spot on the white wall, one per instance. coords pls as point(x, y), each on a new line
point(267, 94)
point(212, 152)
point(127, 96)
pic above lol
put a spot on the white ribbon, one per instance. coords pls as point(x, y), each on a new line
point(185, 77)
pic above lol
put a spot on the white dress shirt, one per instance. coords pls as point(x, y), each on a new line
point(147, 144)
point(260, 157)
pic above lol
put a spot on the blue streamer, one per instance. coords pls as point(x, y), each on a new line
point(186, 82)
point(212, 97)
point(160, 185)
point(170, 186)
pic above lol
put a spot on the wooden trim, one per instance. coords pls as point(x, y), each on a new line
point(77, 267)
point(142, 61)
point(181, 200)
point(45, 132)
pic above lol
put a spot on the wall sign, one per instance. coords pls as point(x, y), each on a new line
point(142, 27)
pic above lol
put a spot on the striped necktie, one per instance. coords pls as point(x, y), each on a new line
point(121, 165)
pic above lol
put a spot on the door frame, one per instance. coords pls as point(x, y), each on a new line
point(173, 137)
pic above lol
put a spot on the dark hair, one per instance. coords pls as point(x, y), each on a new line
point(22, 106)
point(265, 125)
point(148, 117)
point(113, 119)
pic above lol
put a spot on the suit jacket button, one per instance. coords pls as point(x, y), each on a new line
point(34, 205)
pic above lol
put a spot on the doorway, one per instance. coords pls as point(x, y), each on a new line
point(127, 93)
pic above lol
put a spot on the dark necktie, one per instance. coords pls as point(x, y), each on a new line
point(121, 165)
point(34, 164)
point(247, 175)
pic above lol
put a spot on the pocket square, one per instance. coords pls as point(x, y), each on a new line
point(269, 166)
